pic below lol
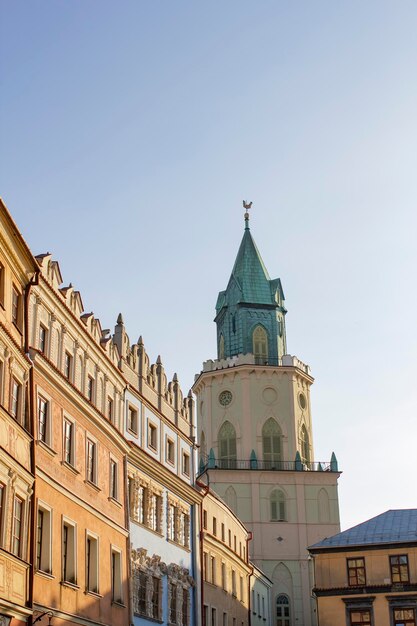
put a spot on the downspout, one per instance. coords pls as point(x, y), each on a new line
point(31, 427)
point(249, 538)
point(206, 489)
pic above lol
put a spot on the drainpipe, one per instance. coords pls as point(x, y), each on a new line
point(206, 489)
point(249, 538)
point(31, 427)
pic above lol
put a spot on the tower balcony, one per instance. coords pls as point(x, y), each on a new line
point(253, 464)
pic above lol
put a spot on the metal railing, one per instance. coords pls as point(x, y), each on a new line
point(278, 466)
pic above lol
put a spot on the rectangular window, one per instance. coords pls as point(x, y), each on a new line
point(213, 570)
point(205, 520)
point(140, 607)
point(132, 419)
point(234, 542)
point(185, 607)
point(17, 526)
point(356, 572)
point(43, 417)
point(173, 604)
point(223, 533)
point(360, 618)
point(91, 564)
point(170, 451)
point(230, 538)
point(67, 365)
point(399, 568)
point(113, 479)
point(110, 409)
point(404, 617)
point(116, 576)
point(233, 582)
point(16, 400)
point(206, 615)
point(185, 464)
point(16, 308)
point(44, 540)
point(91, 461)
point(214, 526)
point(241, 592)
point(90, 388)
point(205, 567)
point(224, 576)
point(172, 514)
point(43, 339)
point(155, 508)
point(69, 442)
point(156, 594)
point(2, 492)
point(152, 436)
point(224, 619)
point(69, 553)
point(213, 617)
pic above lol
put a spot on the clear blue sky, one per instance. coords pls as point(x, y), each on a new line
point(130, 133)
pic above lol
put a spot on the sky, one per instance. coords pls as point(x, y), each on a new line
point(131, 131)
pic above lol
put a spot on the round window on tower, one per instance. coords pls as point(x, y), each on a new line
point(225, 398)
point(302, 401)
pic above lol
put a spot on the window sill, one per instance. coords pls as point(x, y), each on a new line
point(94, 594)
point(159, 533)
point(70, 467)
point(118, 603)
point(17, 328)
point(132, 432)
point(67, 583)
point(93, 485)
point(180, 545)
point(47, 575)
point(149, 619)
point(115, 501)
point(46, 447)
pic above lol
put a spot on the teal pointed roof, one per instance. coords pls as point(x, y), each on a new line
point(250, 272)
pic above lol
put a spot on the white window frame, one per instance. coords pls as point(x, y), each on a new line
point(72, 461)
point(92, 567)
point(71, 552)
point(116, 585)
point(114, 480)
point(94, 479)
point(44, 559)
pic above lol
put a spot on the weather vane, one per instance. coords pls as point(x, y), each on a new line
point(247, 206)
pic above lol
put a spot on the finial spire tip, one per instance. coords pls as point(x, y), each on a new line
point(247, 206)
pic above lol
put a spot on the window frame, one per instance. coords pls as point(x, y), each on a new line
point(392, 565)
point(68, 551)
point(152, 436)
point(92, 561)
point(116, 571)
point(355, 569)
point(16, 401)
point(132, 419)
point(70, 459)
point(17, 539)
point(44, 541)
point(91, 466)
point(44, 434)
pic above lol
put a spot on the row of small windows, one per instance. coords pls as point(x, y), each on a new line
point(151, 586)
point(399, 617)
point(228, 577)
point(210, 618)
point(16, 300)
point(399, 570)
point(259, 342)
point(215, 532)
point(69, 434)
point(44, 543)
point(14, 517)
point(271, 442)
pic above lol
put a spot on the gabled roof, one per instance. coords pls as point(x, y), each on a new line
point(394, 526)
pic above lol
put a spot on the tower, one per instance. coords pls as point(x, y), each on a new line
point(255, 433)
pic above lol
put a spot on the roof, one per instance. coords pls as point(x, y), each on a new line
point(394, 526)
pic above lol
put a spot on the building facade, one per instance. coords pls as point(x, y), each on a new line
point(80, 548)
point(367, 575)
point(18, 269)
point(255, 431)
point(163, 501)
point(225, 565)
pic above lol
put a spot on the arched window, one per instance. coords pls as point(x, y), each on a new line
point(260, 345)
point(324, 506)
point(277, 504)
point(283, 610)
point(227, 445)
point(271, 443)
point(231, 498)
point(221, 347)
point(305, 445)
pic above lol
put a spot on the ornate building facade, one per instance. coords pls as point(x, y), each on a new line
point(255, 430)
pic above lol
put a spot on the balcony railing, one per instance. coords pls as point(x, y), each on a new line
point(278, 466)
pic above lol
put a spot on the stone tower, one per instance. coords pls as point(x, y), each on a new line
point(255, 432)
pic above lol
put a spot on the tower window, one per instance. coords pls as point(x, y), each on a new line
point(283, 610)
point(221, 347)
point(260, 345)
point(277, 503)
point(227, 445)
point(271, 444)
point(305, 445)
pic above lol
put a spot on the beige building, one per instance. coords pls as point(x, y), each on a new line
point(256, 435)
point(80, 536)
point(367, 575)
point(225, 565)
point(17, 270)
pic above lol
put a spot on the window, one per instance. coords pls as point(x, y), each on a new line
point(260, 345)
point(214, 526)
point(224, 619)
point(205, 520)
point(91, 564)
point(2, 492)
point(227, 446)
point(132, 419)
point(271, 443)
point(43, 418)
point(67, 365)
point(43, 339)
point(156, 594)
point(17, 526)
point(277, 504)
point(152, 436)
point(69, 441)
point(241, 589)
point(116, 576)
point(16, 400)
point(230, 538)
point(361, 617)
point(90, 388)
point(221, 347)
point(283, 610)
point(305, 445)
point(233, 582)
point(205, 566)
point(399, 568)
point(141, 598)
point(259, 604)
point(69, 553)
point(205, 615)
point(223, 533)
point(155, 512)
point(404, 617)
point(356, 572)
point(170, 451)
point(16, 308)
point(224, 576)
point(213, 570)
point(185, 464)
point(2, 285)
point(185, 607)
point(91, 461)
point(213, 617)
point(43, 540)
point(110, 409)
point(113, 479)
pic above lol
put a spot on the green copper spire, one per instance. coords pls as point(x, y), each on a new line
point(250, 312)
